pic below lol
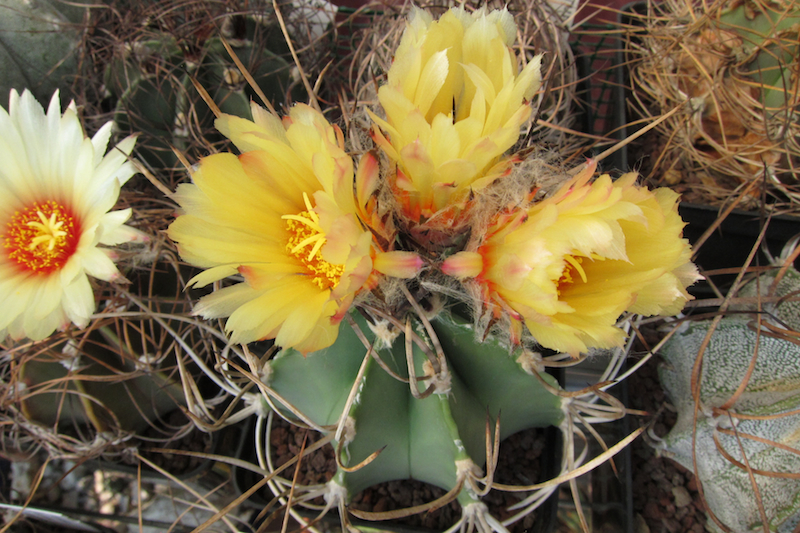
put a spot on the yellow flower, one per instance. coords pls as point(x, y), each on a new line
point(283, 216)
point(56, 189)
point(455, 101)
point(569, 266)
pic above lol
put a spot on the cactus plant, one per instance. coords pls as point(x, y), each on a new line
point(739, 431)
point(413, 294)
point(39, 46)
point(731, 70)
point(81, 394)
point(153, 73)
point(438, 438)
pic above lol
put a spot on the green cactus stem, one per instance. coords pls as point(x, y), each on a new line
point(39, 45)
point(100, 388)
point(769, 33)
point(153, 82)
point(439, 438)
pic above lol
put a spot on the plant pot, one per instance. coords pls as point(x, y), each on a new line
point(737, 234)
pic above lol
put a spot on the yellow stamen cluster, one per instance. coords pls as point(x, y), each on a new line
point(42, 237)
point(304, 231)
point(567, 276)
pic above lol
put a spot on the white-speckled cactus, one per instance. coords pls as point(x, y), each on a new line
point(742, 421)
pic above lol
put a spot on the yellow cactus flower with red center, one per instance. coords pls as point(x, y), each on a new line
point(283, 216)
point(56, 189)
point(455, 101)
point(570, 265)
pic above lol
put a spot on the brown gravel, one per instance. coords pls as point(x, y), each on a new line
point(665, 497)
point(520, 463)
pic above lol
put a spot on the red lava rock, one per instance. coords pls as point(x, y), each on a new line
point(381, 505)
point(655, 477)
point(652, 511)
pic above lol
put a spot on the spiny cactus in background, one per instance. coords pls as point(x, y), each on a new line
point(732, 70)
point(84, 393)
point(151, 79)
point(39, 46)
point(745, 422)
point(768, 46)
point(72, 385)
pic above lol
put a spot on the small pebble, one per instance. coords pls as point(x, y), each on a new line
point(640, 524)
point(682, 496)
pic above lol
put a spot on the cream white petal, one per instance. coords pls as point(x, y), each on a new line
point(49, 165)
point(100, 141)
point(38, 329)
point(115, 164)
point(109, 223)
point(73, 268)
point(98, 265)
point(79, 301)
point(46, 298)
point(122, 234)
point(13, 301)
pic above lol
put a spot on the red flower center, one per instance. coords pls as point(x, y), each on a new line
point(42, 237)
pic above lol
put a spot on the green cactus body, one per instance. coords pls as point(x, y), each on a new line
point(100, 388)
point(772, 389)
point(152, 82)
point(769, 34)
point(435, 439)
point(39, 44)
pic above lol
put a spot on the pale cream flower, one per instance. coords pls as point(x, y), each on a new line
point(569, 266)
point(56, 189)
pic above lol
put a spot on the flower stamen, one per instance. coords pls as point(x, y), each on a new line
point(42, 237)
point(304, 231)
point(568, 274)
point(576, 266)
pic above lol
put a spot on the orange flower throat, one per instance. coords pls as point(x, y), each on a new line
point(304, 231)
point(42, 237)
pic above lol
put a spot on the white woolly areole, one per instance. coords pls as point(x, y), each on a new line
point(348, 430)
point(478, 513)
point(531, 362)
point(334, 494)
point(442, 382)
point(265, 374)
point(71, 354)
point(385, 333)
point(261, 408)
point(466, 468)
